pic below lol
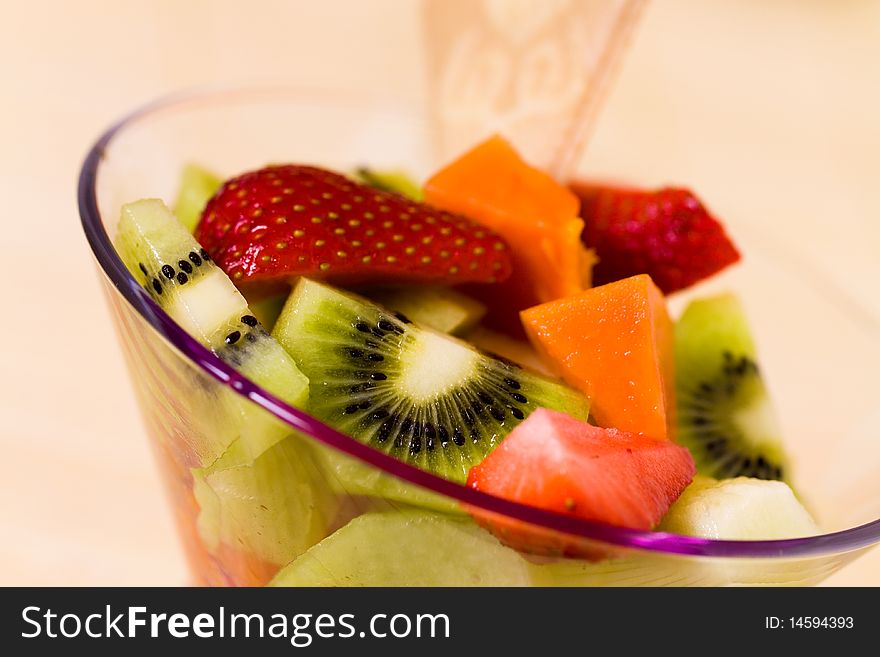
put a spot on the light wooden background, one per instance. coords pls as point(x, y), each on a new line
point(779, 99)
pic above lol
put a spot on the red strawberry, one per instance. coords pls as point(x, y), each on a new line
point(667, 234)
point(285, 221)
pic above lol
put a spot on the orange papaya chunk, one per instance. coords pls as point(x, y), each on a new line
point(537, 217)
point(615, 344)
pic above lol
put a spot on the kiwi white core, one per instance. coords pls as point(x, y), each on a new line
point(758, 413)
point(207, 304)
point(433, 365)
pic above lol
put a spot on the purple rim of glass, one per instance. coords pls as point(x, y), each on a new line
point(812, 546)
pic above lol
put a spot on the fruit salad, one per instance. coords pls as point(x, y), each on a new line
point(491, 326)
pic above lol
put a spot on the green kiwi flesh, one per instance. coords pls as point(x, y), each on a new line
point(724, 415)
point(411, 392)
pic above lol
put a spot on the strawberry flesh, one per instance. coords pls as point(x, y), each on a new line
point(666, 233)
point(558, 463)
point(279, 222)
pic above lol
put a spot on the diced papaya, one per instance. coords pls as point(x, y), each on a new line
point(615, 344)
point(537, 216)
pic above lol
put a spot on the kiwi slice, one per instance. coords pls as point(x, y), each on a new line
point(416, 394)
point(724, 413)
point(407, 548)
point(197, 186)
point(398, 182)
point(181, 277)
point(434, 306)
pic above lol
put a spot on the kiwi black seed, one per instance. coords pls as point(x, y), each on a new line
point(432, 401)
point(162, 275)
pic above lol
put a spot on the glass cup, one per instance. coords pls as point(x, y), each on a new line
point(243, 519)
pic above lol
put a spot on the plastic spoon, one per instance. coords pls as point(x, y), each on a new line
point(535, 71)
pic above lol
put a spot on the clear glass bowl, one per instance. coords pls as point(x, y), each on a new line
point(237, 530)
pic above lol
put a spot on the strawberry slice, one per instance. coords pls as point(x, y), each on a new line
point(558, 463)
point(284, 221)
point(666, 233)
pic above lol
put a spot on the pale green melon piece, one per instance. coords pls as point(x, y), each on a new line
point(440, 308)
point(351, 477)
point(197, 185)
point(275, 508)
point(390, 180)
point(407, 549)
point(739, 509)
point(267, 309)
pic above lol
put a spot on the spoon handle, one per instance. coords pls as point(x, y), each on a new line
point(535, 71)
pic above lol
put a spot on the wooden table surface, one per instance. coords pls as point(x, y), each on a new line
point(781, 97)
